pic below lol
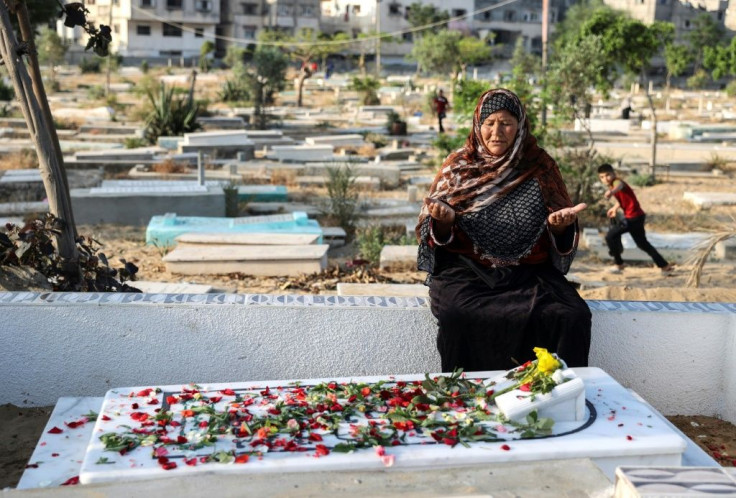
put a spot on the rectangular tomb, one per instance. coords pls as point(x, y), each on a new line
point(363, 423)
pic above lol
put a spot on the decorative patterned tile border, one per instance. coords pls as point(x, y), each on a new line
point(290, 300)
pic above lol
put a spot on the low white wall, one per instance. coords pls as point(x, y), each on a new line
point(680, 357)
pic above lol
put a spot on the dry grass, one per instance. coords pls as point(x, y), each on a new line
point(22, 159)
point(283, 177)
point(170, 166)
point(703, 250)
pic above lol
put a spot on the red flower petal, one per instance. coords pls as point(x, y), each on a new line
point(55, 430)
point(525, 387)
point(629, 438)
point(72, 481)
point(105, 418)
point(313, 436)
point(321, 450)
point(380, 450)
point(144, 392)
point(505, 447)
point(32, 466)
point(242, 458)
point(366, 391)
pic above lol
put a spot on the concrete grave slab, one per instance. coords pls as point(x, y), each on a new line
point(336, 140)
point(301, 153)
point(402, 290)
point(136, 206)
point(706, 200)
point(672, 246)
point(275, 208)
point(16, 208)
point(151, 287)
point(250, 260)
point(398, 257)
point(248, 239)
point(334, 236)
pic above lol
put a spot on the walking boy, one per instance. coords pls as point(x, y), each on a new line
point(634, 218)
point(441, 104)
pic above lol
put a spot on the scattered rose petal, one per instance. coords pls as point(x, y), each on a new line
point(388, 460)
point(72, 481)
point(242, 458)
point(380, 450)
point(321, 450)
point(55, 430)
point(505, 447)
point(629, 438)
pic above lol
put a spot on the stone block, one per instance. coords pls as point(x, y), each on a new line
point(250, 260)
point(398, 257)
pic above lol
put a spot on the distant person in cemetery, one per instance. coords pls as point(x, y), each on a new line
point(497, 233)
point(441, 106)
point(632, 222)
point(626, 107)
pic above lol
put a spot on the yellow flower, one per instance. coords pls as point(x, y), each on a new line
point(546, 363)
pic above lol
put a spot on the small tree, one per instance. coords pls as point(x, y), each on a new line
point(473, 51)
point(51, 51)
point(266, 78)
point(705, 33)
point(366, 87)
point(438, 52)
point(204, 56)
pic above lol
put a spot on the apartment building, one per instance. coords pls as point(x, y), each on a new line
point(242, 20)
point(681, 13)
point(152, 28)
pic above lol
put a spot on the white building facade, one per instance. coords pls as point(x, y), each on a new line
point(152, 28)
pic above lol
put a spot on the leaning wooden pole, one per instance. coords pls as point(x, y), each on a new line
point(32, 101)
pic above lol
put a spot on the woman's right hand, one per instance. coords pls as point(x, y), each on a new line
point(441, 212)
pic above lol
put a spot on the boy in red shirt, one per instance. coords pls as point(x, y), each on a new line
point(634, 218)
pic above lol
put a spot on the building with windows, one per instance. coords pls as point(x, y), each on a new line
point(152, 28)
point(681, 13)
point(242, 20)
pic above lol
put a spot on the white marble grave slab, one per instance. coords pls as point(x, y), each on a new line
point(168, 189)
point(618, 430)
point(402, 290)
point(706, 200)
point(661, 482)
point(336, 140)
point(151, 287)
point(211, 138)
point(301, 153)
point(252, 239)
point(58, 454)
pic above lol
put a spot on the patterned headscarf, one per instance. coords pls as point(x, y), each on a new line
point(472, 177)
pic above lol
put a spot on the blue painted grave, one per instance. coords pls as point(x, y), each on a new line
point(163, 230)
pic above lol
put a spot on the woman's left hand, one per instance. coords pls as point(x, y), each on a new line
point(559, 220)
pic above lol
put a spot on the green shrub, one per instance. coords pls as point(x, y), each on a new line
point(96, 92)
point(640, 180)
point(234, 91)
point(144, 66)
point(90, 65)
point(342, 207)
point(370, 241)
point(6, 92)
point(169, 116)
point(134, 142)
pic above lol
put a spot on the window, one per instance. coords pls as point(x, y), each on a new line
point(203, 5)
point(356, 9)
point(662, 2)
point(174, 4)
point(147, 4)
point(171, 30)
point(407, 37)
point(394, 9)
point(284, 10)
point(199, 32)
point(170, 53)
point(141, 30)
point(533, 16)
point(720, 15)
point(307, 10)
point(459, 12)
point(249, 32)
point(407, 9)
point(487, 15)
point(249, 9)
point(509, 15)
point(687, 24)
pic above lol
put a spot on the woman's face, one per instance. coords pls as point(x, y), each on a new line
point(498, 131)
